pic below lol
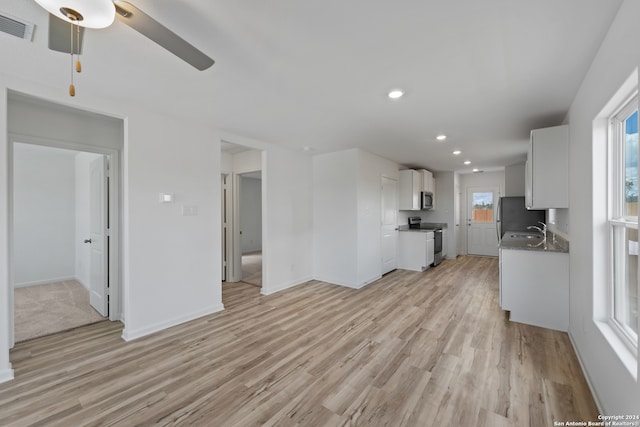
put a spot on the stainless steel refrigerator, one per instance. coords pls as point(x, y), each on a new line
point(514, 216)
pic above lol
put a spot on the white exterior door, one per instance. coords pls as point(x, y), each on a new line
point(98, 281)
point(389, 238)
point(481, 220)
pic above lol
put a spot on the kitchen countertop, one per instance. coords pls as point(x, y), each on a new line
point(424, 226)
point(519, 240)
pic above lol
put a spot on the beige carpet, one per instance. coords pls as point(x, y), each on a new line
point(252, 268)
point(55, 307)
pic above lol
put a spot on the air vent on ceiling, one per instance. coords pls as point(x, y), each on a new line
point(16, 27)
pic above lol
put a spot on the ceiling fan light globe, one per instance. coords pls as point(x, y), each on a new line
point(95, 13)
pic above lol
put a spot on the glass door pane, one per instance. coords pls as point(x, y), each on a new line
point(482, 207)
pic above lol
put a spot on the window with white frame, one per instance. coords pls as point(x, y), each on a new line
point(623, 220)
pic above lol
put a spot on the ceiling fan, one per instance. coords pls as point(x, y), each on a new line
point(101, 14)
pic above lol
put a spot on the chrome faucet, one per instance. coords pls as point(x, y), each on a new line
point(542, 230)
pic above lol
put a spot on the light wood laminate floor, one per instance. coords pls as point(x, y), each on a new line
point(413, 349)
point(252, 268)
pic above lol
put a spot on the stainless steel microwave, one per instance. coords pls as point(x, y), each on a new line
point(427, 200)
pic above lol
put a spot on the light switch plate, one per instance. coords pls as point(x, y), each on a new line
point(166, 198)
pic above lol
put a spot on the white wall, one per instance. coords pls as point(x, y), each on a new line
point(514, 180)
point(172, 267)
point(44, 215)
point(247, 161)
point(347, 208)
point(335, 217)
point(250, 214)
point(370, 169)
point(82, 226)
point(615, 388)
point(226, 163)
point(40, 119)
point(287, 219)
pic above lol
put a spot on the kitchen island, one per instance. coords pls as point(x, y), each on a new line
point(534, 279)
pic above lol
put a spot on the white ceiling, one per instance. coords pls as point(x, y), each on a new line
point(315, 74)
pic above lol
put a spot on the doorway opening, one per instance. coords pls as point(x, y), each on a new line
point(250, 216)
point(63, 210)
point(242, 195)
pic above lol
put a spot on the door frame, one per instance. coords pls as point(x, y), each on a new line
point(225, 231)
point(113, 198)
point(234, 262)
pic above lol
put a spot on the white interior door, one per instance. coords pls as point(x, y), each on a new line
point(481, 220)
point(98, 280)
point(389, 224)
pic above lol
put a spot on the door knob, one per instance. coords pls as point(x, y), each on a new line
point(87, 240)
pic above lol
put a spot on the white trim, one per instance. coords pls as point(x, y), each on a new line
point(46, 282)
point(6, 375)
point(618, 223)
point(129, 335)
point(284, 286)
point(371, 280)
point(352, 285)
point(585, 372)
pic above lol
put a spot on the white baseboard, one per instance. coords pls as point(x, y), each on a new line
point(586, 375)
point(43, 282)
point(284, 286)
point(369, 281)
point(338, 282)
point(352, 285)
point(129, 335)
point(82, 283)
point(6, 375)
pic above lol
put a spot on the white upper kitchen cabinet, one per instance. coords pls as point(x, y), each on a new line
point(427, 181)
point(547, 169)
point(410, 188)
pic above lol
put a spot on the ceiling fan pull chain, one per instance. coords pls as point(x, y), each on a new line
point(72, 88)
point(78, 64)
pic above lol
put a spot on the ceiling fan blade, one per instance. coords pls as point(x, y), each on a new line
point(155, 31)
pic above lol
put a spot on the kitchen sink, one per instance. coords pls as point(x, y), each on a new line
point(525, 236)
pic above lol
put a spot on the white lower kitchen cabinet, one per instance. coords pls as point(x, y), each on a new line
point(415, 250)
point(534, 287)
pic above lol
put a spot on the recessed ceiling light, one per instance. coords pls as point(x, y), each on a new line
point(441, 137)
point(475, 170)
point(457, 153)
point(467, 162)
point(395, 94)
